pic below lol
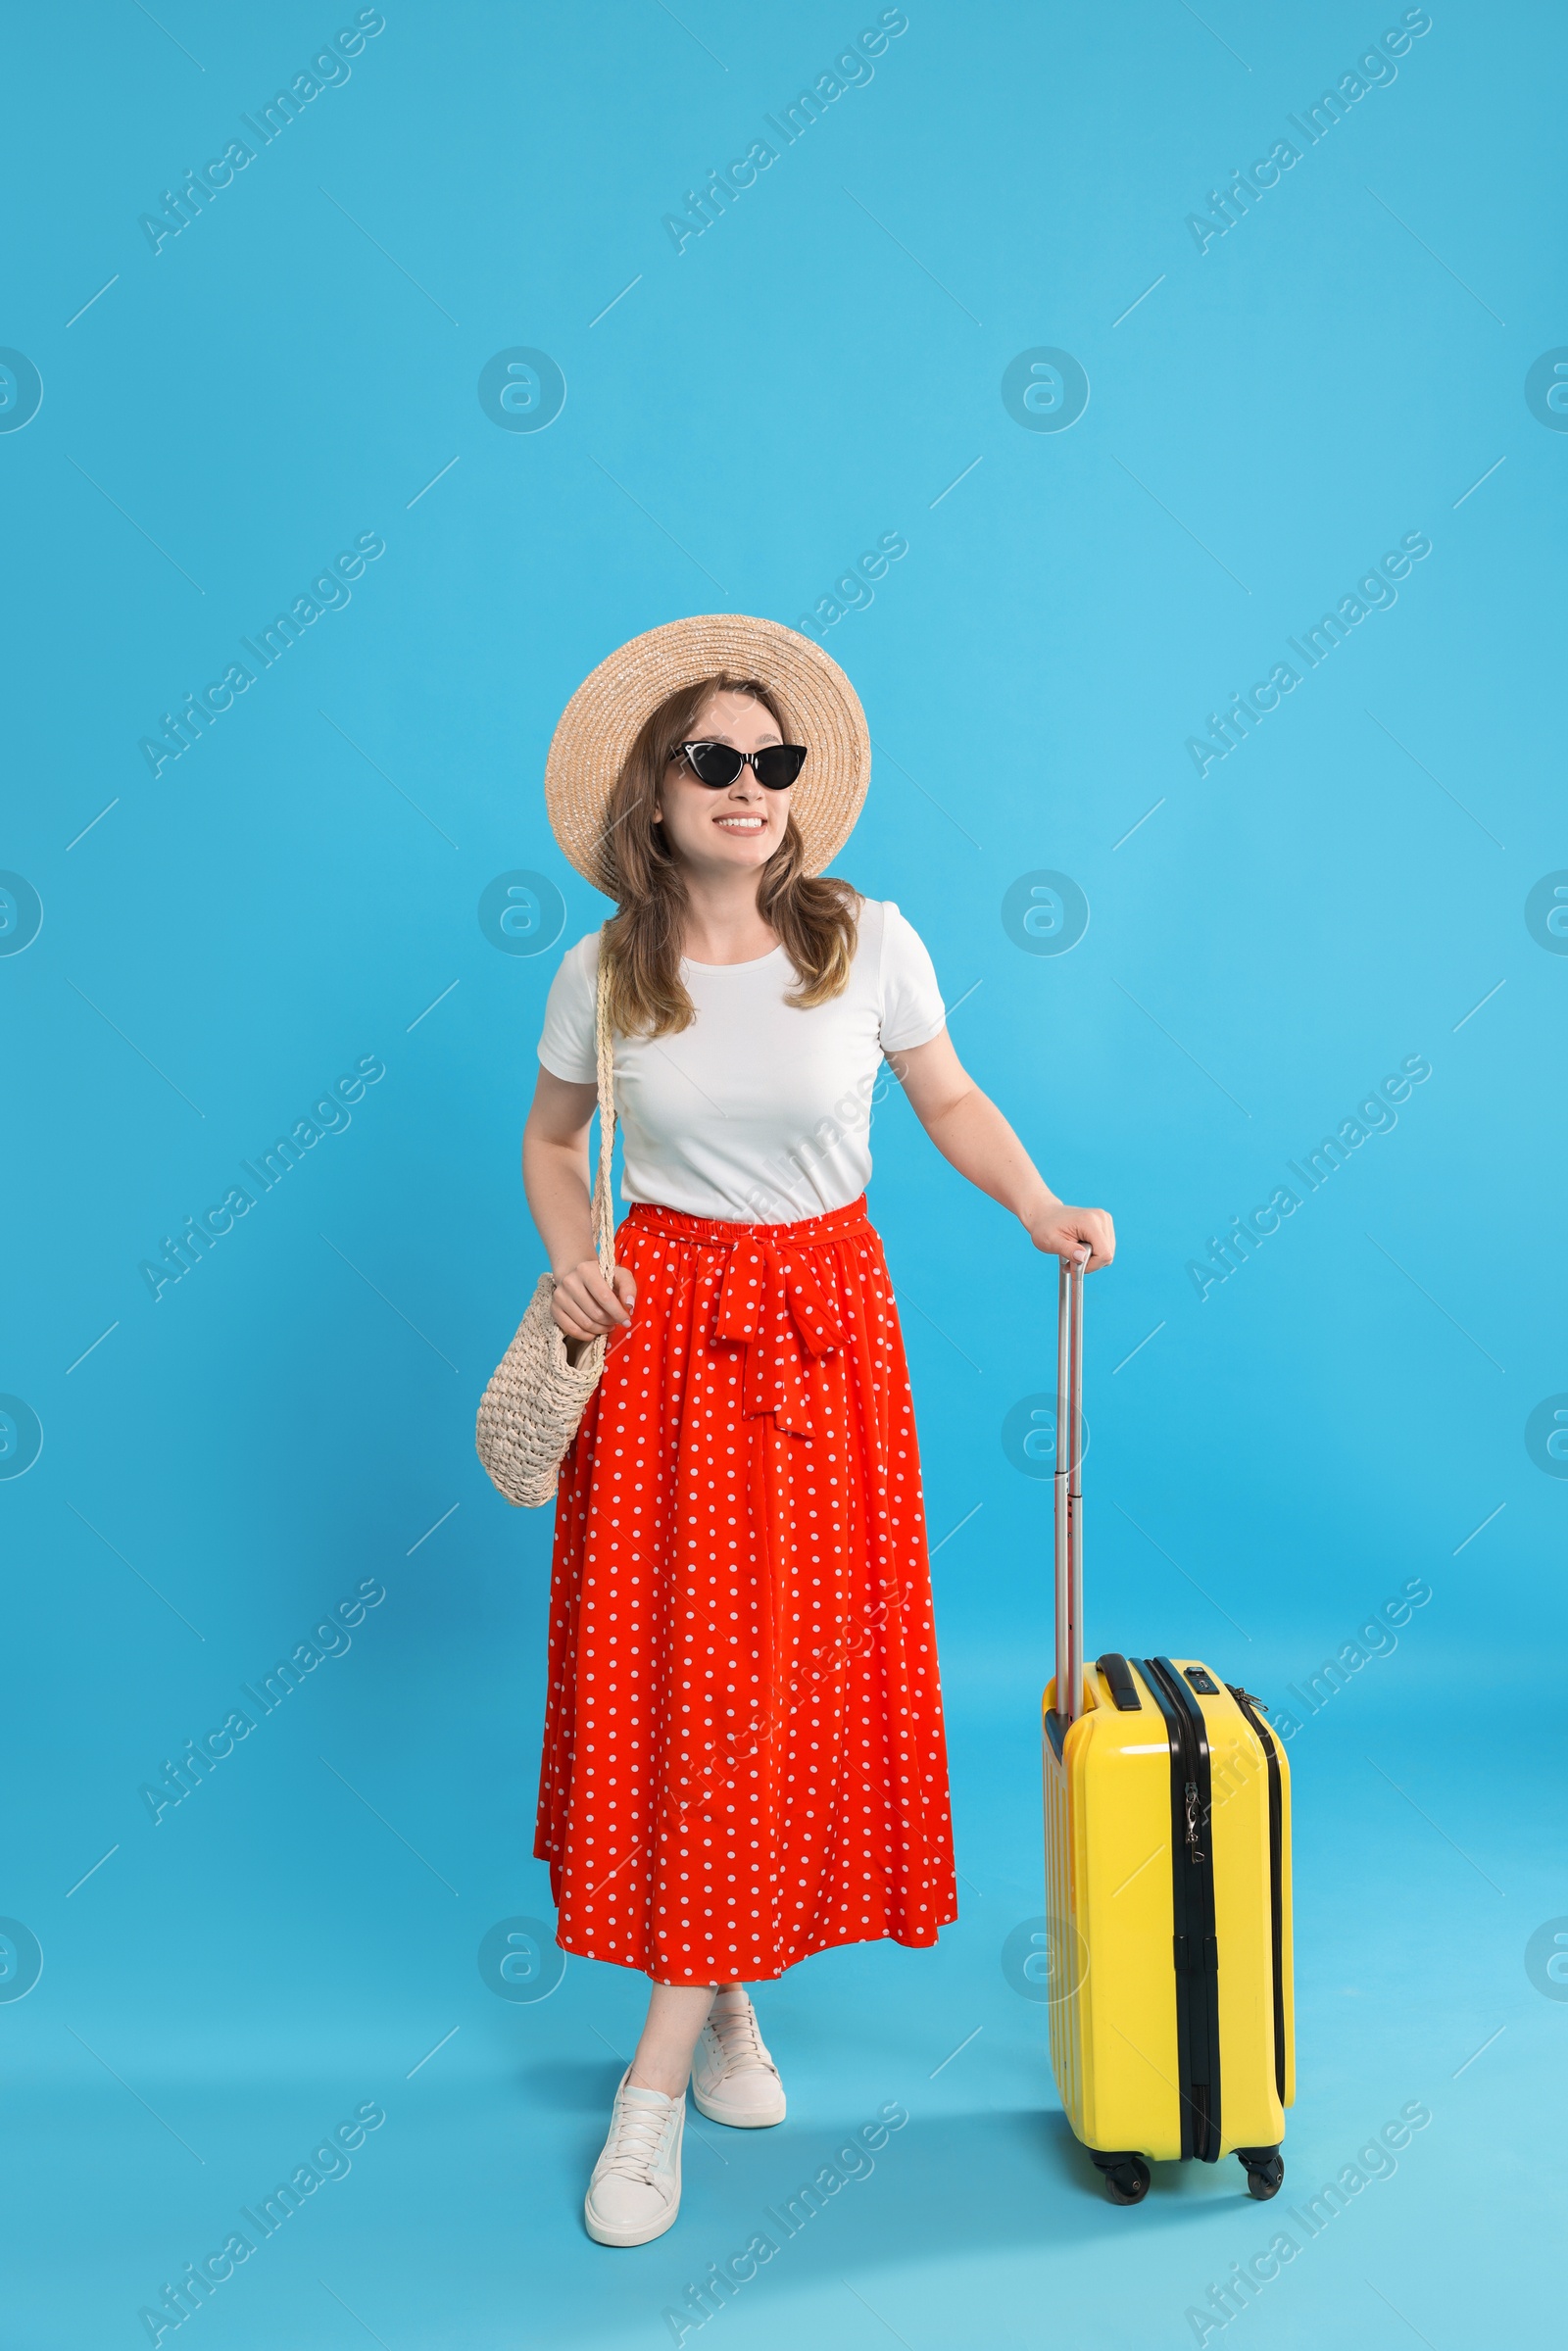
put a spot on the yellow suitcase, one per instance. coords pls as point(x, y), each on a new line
point(1167, 1882)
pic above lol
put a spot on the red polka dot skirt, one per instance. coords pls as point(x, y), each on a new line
point(744, 1757)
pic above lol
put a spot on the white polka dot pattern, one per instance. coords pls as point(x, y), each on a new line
point(743, 1756)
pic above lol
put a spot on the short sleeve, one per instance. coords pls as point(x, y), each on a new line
point(567, 1042)
point(912, 1010)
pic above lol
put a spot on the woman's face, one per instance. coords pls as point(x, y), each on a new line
point(740, 825)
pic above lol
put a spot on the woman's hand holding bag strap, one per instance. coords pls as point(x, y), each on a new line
point(540, 1389)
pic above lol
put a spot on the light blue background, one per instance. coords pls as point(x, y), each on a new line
point(302, 886)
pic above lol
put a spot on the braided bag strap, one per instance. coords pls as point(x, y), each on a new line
point(539, 1391)
point(605, 1053)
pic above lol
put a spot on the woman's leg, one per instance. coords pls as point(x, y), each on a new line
point(634, 2193)
point(734, 2079)
point(676, 2015)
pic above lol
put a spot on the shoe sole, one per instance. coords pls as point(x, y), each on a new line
point(603, 2235)
point(736, 2122)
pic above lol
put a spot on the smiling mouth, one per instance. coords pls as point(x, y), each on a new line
point(741, 824)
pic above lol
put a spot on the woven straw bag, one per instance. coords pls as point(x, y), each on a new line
point(537, 1395)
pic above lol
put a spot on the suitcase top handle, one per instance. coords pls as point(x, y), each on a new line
point(1118, 1679)
point(1067, 1486)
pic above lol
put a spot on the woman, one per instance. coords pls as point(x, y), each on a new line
point(744, 1759)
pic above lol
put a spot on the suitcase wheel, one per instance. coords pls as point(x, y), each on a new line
point(1265, 2170)
point(1126, 2177)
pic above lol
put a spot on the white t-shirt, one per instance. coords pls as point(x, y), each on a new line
point(757, 1114)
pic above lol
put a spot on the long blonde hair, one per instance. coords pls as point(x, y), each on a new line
point(816, 916)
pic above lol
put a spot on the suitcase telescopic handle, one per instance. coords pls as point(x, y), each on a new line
point(1068, 1487)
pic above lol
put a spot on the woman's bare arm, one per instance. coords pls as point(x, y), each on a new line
point(970, 1132)
point(555, 1178)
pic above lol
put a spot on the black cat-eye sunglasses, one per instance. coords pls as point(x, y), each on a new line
point(716, 764)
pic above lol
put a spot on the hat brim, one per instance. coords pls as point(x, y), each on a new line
point(600, 724)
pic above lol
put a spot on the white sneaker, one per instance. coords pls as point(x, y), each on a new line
point(734, 2079)
point(634, 2193)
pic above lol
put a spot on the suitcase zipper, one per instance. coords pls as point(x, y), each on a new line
point(1276, 1871)
point(1193, 1944)
point(1195, 1852)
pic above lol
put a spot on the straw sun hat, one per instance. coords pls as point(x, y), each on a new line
point(600, 723)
